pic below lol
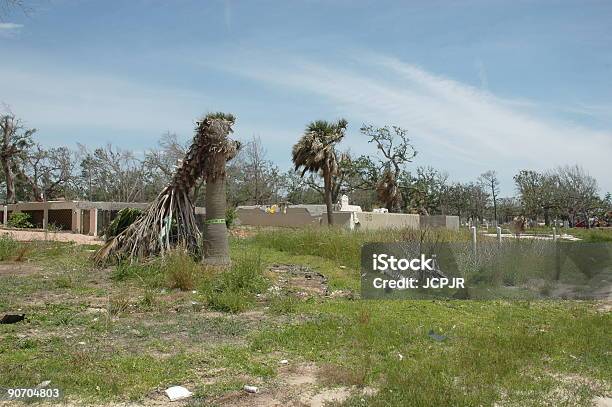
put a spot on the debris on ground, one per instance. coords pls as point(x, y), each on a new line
point(436, 337)
point(250, 389)
point(283, 362)
point(176, 393)
point(12, 318)
point(301, 279)
point(44, 384)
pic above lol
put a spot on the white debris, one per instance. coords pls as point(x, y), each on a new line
point(401, 357)
point(175, 393)
point(250, 389)
point(44, 384)
point(283, 362)
point(81, 343)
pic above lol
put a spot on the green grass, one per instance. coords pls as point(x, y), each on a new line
point(493, 348)
point(111, 336)
point(595, 235)
point(235, 289)
point(344, 246)
point(8, 248)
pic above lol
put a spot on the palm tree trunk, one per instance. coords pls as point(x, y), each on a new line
point(328, 195)
point(216, 244)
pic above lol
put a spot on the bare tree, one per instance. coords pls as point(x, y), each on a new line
point(578, 192)
point(48, 172)
point(396, 150)
point(252, 178)
point(113, 174)
point(15, 142)
point(490, 181)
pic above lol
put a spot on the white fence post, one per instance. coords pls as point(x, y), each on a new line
point(474, 238)
point(554, 234)
point(499, 235)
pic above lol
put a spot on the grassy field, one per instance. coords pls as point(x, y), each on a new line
point(126, 333)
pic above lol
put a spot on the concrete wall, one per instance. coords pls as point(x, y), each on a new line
point(79, 216)
point(375, 221)
point(440, 221)
point(300, 217)
point(292, 217)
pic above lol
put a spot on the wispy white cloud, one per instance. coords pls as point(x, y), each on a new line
point(9, 29)
point(51, 99)
point(463, 123)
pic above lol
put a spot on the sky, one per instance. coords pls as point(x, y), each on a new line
point(479, 85)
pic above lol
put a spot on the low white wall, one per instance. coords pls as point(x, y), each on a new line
point(375, 221)
point(294, 217)
point(440, 221)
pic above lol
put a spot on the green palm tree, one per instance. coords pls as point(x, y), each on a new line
point(315, 152)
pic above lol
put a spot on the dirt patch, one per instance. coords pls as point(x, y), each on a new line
point(301, 280)
point(18, 269)
point(32, 235)
point(296, 385)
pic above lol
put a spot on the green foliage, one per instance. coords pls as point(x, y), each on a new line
point(221, 116)
point(230, 217)
point(176, 270)
point(20, 220)
point(8, 247)
point(344, 246)
point(124, 219)
point(234, 290)
point(181, 270)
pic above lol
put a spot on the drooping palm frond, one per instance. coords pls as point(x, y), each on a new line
point(169, 220)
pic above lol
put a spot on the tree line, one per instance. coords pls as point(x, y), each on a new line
point(322, 173)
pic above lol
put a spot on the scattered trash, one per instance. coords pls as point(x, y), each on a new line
point(12, 318)
point(175, 393)
point(436, 337)
point(250, 389)
point(401, 357)
point(44, 384)
point(81, 343)
point(342, 267)
point(283, 362)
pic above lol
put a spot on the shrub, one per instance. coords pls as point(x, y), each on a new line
point(230, 217)
point(8, 247)
point(234, 290)
point(181, 270)
point(19, 220)
point(118, 304)
point(150, 274)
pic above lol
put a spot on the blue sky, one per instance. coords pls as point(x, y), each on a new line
point(478, 84)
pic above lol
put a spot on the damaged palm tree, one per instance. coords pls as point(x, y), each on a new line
point(169, 221)
point(220, 149)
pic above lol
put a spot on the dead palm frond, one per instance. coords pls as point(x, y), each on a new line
point(169, 221)
point(388, 191)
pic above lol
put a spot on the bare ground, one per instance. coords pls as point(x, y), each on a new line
point(32, 235)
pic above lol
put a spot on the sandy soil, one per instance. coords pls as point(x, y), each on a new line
point(30, 235)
